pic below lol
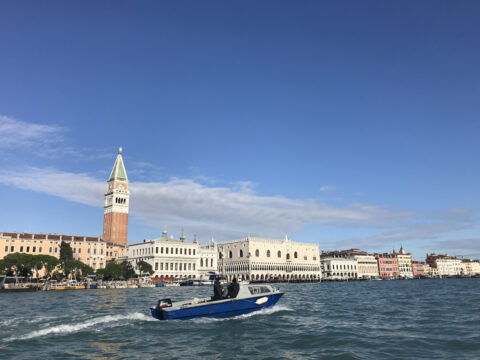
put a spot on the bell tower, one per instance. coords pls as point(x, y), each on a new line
point(117, 199)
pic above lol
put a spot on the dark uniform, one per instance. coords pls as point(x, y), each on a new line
point(233, 288)
point(218, 291)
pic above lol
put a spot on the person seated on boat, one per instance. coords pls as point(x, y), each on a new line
point(158, 308)
point(233, 288)
point(218, 290)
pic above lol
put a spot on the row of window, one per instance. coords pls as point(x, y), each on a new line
point(175, 266)
point(244, 267)
point(27, 249)
point(342, 274)
point(345, 267)
point(51, 241)
point(176, 251)
point(88, 251)
point(206, 262)
point(52, 250)
point(257, 254)
point(120, 201)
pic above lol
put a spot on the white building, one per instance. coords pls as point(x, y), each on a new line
point(366, 265)
point(404, 261)
point(269, 259)
point(449, 267)
point(470, 268)
point(172, 258)
point(339, 268)
point(445, 265)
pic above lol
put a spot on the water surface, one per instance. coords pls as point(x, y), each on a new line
point(421, 319)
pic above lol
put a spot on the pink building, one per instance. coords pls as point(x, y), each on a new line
point(387, 265)
point(418, 269)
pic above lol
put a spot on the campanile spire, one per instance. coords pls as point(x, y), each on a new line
point(117, 201)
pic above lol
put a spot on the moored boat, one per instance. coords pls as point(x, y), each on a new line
point(249, 298)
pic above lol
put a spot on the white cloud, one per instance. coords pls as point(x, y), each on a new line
point(327, 188)
point(16, 133)
point(224, 212)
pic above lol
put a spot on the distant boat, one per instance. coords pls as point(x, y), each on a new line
point(209, 278)
point(249, 298)
point(14, 284)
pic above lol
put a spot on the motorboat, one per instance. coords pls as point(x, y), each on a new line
point(15, 284)
point(249, 298)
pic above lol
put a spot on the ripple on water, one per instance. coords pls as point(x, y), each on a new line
point(364, 320)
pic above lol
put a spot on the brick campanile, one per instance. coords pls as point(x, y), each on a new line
point(117, 199)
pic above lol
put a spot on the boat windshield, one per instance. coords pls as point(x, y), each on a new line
point(259, 289)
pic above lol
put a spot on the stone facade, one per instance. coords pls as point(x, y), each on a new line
point(367, 267)
point(90, 250)
point(339, 268)
point(260, 259)
point(404, 261)
point(418, 269)
point(387, 265)
point(445, 265)
point(470, 268)
point(174, 258)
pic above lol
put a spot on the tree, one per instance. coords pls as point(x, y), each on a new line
point(49, 263)
point(66, 252)
point(128, 271)
point(144, 267)
point(20, 264)
point(111, 272)
point(3, 267)
point(77, 268)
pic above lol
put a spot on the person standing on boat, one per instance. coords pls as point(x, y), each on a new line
point(218, 290)
point(233, 288)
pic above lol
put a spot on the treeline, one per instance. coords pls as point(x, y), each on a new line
point(28, 265)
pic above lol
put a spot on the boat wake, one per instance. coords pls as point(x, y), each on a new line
point(264, 311)
point(65, 329)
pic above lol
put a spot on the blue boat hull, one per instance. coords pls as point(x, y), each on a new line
point(219, 309)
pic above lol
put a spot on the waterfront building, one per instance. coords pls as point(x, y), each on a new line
point(470, 267)
point(429, 271)
point(387, 265)
point(174, 258)
point(92, 251)
point(260, 259)
point(404, 261)
point(367, 267)
point(445, 265)
point(418, 269)
point(117, 201)
point(339, 268)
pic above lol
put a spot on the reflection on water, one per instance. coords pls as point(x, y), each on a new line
point(106, 350)
point(420, 319)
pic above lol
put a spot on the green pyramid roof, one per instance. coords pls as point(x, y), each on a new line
point(118, 171)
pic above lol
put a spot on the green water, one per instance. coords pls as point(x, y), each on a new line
point(417, 319)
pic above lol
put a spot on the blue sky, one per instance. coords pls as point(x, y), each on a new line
point(342, 123)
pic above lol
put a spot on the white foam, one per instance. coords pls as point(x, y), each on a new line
point(71, 328)
point(264, 311)
point(21, 320)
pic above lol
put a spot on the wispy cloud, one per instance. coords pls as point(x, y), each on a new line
point(42, 140)
point(327, 188)
point(15, 133)
point(469, 248)
point(222, 211)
